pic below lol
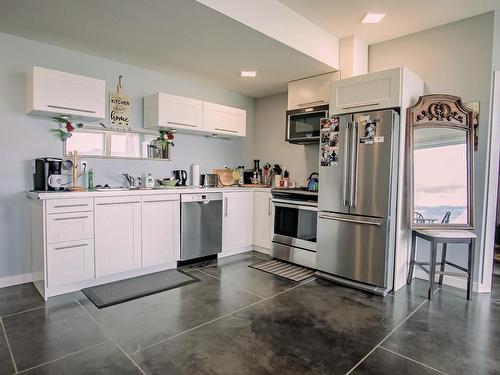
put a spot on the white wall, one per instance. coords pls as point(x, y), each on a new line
point(452, 59)
point(269, 143)
point(23, 138)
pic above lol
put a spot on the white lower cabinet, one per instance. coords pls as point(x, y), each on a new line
point(237, 222)
point(160, 230)
point(262, 219)
point(70, 262)
point(117, 235)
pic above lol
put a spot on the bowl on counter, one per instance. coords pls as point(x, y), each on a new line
point(168, 183)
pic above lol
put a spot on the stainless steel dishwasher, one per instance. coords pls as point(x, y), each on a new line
point(201, 225)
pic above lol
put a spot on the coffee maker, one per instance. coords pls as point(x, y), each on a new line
point(181, 176)
point(47, 174)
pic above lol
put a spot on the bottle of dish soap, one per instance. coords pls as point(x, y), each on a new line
point(150, 181)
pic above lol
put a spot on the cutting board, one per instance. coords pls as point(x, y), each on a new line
point(225, 176)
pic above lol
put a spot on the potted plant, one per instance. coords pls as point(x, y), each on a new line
point(65, 128)
point(164, 141)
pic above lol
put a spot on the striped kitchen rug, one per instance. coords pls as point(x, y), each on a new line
point(283, 269)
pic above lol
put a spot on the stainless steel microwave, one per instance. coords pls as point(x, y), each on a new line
point(304, 124)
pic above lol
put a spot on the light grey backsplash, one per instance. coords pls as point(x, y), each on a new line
point(23, 137)
point(270, 145)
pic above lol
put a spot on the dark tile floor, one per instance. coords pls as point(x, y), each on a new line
point(239, 320)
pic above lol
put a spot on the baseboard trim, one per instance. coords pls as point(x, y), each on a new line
point(15, 280)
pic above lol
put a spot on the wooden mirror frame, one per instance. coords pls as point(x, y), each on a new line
point(440, 111)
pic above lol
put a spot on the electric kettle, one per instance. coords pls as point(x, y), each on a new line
point(181, 176)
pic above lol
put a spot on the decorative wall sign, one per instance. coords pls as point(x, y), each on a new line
point(119, 109)
point(330, 139)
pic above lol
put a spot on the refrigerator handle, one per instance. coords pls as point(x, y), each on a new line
point(353, 179)
point(345, 176)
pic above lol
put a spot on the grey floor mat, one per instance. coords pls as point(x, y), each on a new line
point(125, 290)
point(283, 269)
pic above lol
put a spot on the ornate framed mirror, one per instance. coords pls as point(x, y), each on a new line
point(440, 151)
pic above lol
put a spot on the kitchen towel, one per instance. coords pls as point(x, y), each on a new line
point(195, 175)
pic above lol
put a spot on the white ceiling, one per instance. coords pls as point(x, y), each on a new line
point(343, 18)
point(179, 36)
point(190, 40)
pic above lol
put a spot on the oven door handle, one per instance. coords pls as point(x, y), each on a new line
point(295, 206)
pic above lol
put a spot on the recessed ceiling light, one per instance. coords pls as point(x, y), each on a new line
point(373, 17)
point(248, 73)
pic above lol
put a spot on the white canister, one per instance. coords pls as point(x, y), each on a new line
point(195, 175)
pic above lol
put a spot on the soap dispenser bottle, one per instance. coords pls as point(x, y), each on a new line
point(150, 181)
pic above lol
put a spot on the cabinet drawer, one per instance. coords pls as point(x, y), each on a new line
point(57, 206)
point(70, 262)
point(70, 227)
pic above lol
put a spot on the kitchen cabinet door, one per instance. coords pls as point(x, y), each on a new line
point(237, 221)
point(221, 119)
point(310, 92)
point(160, 230)
point(262, 219)
point(51, 92)
point(117, 235)
point(172, 111)
point(367, 92)
point(70, 262)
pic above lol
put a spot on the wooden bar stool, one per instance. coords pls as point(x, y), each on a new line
point(435, 237)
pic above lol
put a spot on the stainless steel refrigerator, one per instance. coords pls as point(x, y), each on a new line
point(357, 199)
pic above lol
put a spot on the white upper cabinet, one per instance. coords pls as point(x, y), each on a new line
point(221, 119)
point(310, 92)
point(171, 111)
point(53, 93)
point(192, 115)
point(379, 90)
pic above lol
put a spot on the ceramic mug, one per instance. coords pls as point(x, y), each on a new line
point(55, 181)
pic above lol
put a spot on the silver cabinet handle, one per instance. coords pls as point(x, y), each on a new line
point(226, 130)
point(328, 217)
point(71, 205)
point(269, 207)
point(296, 206)
point(71, 247)
point(161, 200)
point(70, 218)
point(115, 203)
point(226, 208)
point(360, 105)
point(311, 103)
point(70, 109)
point(181, 124)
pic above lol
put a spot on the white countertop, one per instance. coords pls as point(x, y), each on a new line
point(43, 195)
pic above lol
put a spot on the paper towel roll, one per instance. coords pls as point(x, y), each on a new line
point(195, 175)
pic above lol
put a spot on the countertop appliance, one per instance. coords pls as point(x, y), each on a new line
point(47, 174)
point(313, 182)
point(357, 200)
point(209, 180)
point(201, 225)
point(303, 125)
point(295, 222)
point(181, 176)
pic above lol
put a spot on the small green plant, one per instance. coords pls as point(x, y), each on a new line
point(65, 128)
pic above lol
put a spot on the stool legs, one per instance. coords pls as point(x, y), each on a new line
point(432, 270)
point(443, 260)
point(470, 267)
point(412, 258)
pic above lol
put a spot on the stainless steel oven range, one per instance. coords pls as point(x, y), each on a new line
point(295, 223)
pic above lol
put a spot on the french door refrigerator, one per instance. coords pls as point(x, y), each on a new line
point(357, 200)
